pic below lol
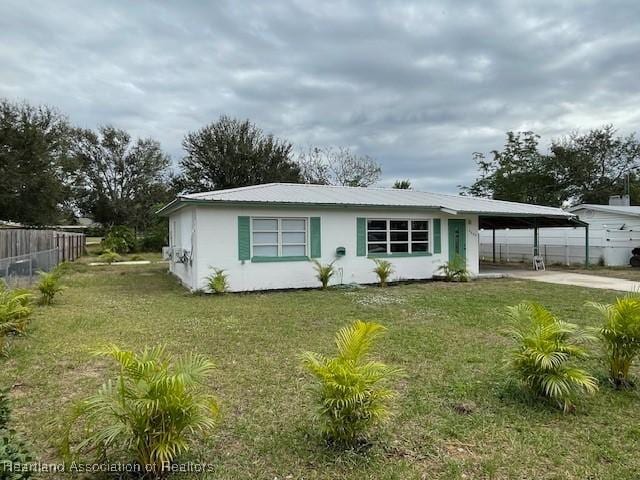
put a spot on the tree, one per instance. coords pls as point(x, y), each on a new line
point(518, 173)
point(580, 168)
point(338, 166)
point(36, 172)
point(402, 184)
point(235, 153)
point(121, 178)
point(593, 166)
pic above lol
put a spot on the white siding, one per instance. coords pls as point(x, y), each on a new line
point(217, 246)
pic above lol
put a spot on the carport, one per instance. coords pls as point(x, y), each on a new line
point(495, 222)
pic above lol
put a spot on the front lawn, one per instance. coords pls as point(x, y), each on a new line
point(453, 418)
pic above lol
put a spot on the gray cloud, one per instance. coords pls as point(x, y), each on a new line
point(418, 86)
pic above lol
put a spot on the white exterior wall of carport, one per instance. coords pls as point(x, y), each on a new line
point(215, 244)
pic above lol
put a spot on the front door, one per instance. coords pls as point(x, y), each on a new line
point(457, 238)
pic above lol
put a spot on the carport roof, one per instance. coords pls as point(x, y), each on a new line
point(489, 222)
point(294, 194)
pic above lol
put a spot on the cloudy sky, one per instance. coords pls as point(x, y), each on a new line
point(418, 86)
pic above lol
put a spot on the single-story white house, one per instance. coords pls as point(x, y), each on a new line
point(264, 236)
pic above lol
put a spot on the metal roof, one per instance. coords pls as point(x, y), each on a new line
point(619, 209)
point(294, 194)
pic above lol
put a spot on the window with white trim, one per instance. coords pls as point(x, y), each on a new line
point(279, 237)
point(389, 236)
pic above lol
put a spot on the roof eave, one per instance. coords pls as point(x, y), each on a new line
point(181, 202)
point(170, 207)
point(516, 214)
point(615, 209)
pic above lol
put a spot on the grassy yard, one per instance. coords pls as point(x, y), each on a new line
point(445, 336)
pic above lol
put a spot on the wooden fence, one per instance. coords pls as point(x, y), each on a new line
point(17, 242)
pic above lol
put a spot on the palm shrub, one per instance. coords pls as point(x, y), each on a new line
point(15, 309)
point(49, 286)
point(541, 360)
point(351, 389)
point(383, 270)
point(218, 281)
point(324, 272)
point(620, 336)
point(150, 409)
point(455, 270)
point(109, 256)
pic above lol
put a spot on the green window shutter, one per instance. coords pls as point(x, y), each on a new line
point(244, 238)
point(437, 241)
point(316, 237)
point(361, 237)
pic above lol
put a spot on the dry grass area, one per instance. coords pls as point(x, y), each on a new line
point(454, 417)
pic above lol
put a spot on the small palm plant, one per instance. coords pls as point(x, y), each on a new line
point(49, 286)
point(109, 256)
point(383, 270)
point(324, 272)
point(150, 409)
point(15, 305)
point(15, 309)
point(540, 361)
point(218, 281)
point(351, 389)
point(455, 270)
point(620, 335)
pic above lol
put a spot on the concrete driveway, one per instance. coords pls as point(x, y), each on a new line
point(567, 278)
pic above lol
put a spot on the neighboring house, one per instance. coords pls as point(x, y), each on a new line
point(615, 226)
point(265, 235)
point(614, 230)
point(6, 224)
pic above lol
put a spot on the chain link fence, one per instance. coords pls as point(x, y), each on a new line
point(22, 270)
point(559, 254)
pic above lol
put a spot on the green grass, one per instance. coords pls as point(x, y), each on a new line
point(445, 337)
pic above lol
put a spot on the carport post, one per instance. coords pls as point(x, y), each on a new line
point(586, 245)
point(536, 249)
point(494, 245)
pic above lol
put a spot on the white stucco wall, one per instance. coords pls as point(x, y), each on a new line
point(182, 226)
point(216, 245)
